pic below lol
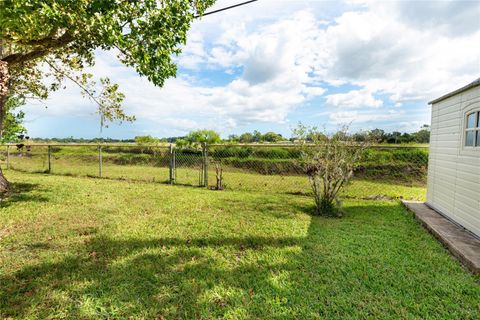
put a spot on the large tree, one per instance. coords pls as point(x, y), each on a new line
point(42, 43)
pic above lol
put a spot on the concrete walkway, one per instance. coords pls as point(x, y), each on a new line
point(463, 245)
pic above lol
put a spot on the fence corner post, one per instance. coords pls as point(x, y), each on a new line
point(49, 158)
point(170, 166)
point(205, 164)
point(100, 161)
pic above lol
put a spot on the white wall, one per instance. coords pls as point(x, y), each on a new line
point(453, 170)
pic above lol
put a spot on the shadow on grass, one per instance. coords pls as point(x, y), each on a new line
point(366, 265)
point(248, 186)
point(159, 277)
point(21, 192)
point(152, 179)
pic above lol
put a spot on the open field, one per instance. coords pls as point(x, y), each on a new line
point(233, 179)
point(404, 163)
point(271, 169)
point(83, 248)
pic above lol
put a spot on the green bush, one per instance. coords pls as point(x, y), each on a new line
point(264, 166)
point(277, 153)
point(229, 152)
point(255, 152)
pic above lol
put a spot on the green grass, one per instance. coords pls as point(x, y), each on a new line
point(233, 178)
point(82, 248)
point(406, 163)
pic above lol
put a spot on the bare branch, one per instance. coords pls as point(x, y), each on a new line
point(82, 87)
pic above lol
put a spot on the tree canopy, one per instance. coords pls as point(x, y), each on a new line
point(55, 39)
point(43, 43)
point(146, 140)
point(145, 33)
point(203, 136)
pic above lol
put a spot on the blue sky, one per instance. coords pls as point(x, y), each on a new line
point(270, 64)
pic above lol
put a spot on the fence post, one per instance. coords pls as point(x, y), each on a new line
point(205, 165)
point(171, 164)
point(8, 157)
point(49, 158)
point(174, 165)
point(100, 161)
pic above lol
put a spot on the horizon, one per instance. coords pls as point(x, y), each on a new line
point(224, 137)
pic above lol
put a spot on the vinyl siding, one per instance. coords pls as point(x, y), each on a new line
point(454, 172)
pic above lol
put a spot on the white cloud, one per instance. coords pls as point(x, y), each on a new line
point(353, 99)
point(193, 54)
point(379, 49)
point(276, 63)
point(452, 18)
point(278, 55)
point(356, 117)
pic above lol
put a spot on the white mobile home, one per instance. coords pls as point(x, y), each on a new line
point(454, 160)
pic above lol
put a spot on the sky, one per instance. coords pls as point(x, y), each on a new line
point(270, 64)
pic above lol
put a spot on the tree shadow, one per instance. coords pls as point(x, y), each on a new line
point(272, 207)
point(154, 276)
point(21, 192)
point(366, 265)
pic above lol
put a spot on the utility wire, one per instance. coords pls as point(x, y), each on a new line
point(226, 8)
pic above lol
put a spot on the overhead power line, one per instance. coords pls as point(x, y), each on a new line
point(226, 8)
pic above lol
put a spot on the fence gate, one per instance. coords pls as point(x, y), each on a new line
point(188, 166)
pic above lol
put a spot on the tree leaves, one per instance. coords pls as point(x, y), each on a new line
point(65, 34)
point(12, 120)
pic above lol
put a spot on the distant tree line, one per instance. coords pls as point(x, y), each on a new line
point(78, 140)
point(396, 137)
point(379, 135)
point(210, 136)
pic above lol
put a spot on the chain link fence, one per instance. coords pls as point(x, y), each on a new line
point(271, 168)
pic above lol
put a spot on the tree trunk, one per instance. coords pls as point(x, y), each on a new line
point(4, 86)
point(4, 185)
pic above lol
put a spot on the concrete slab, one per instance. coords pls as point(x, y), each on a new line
point(462, 244)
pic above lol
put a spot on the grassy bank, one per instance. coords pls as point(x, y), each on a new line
point(233, 178)
point(380, 162)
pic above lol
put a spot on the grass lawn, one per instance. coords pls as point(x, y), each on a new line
point(233, 178)
point(83, 248)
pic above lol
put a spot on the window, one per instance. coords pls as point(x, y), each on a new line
point(472, 130)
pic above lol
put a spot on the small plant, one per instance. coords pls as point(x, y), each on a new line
point(328, 161)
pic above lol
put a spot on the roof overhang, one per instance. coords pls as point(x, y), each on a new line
point(451, 94)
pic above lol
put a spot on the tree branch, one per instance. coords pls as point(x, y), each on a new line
point(48, 46)
point(50, 38)
point(82, 87)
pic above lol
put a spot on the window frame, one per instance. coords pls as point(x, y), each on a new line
point(475, 129)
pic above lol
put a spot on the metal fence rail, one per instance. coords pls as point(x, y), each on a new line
point(267, 167)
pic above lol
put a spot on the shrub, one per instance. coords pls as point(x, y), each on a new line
point(329, 162)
